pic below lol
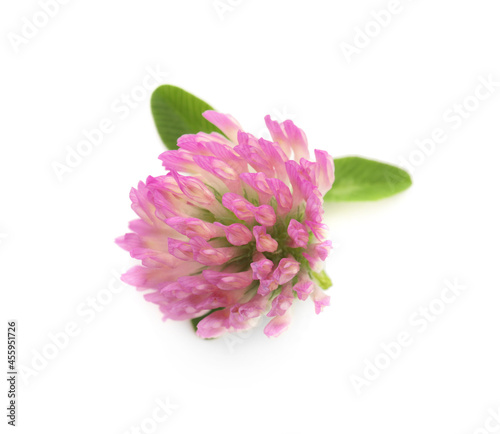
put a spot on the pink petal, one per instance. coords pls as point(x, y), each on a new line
point(143, 277)
point(302, 183)
point(275, 156)
point(265, 215)
point(228, 281)
point(316, 253)
point(194, 189)
point(237, 234)
point(278, 135)
point(216, 167)
point(325, 171)
point(314, 208)
point(320, 230)
point(298, 234)
point(214, 325)
point(278, 324)
point(265, 243)
point(243, 315)
point(192, 144)
point(267, 286)
point(321, 300)
point(297, 139)
point(191, 227)
point(206, 254)
point(289, 137)
point(286, 270)
point(258, 182)
point(262, 268)
point(282, 302)
point(322, 249)
point(255, 157)
point(239, 206)
point(282, 194)
point(180, 249)
point(226, 123)
point(304, 288)
point(196, 284)
point(180, 161)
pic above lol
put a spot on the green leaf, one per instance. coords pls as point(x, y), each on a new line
point(195, 321)
point(177, 112)
point(322, 279)
point(359, 179)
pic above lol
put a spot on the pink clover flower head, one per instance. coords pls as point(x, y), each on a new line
point(234, 230)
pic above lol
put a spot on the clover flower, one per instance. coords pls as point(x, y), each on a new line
point(234, 229)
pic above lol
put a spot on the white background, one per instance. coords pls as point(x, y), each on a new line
point(281, 57)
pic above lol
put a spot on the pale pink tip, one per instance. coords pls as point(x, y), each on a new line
point(179, 160)
point(180, 249)
point(226, 123)
point(289, 137)
point(304, 289)
point(282, 194)
point(265, 215)
point(228, 281)
point(214, 325)
point(278, 324)
point(216, 167)
point(298, 234)
point(267, 286)
point(237, 234)
point(320, 299)
point(286, 270)
point(244, 315)
point(241, 208)
point(192, 227)
point(320, 230)
point(206, 254)
point(265, 243)
point(323, 249)
point(314, 208)
point(194, 189)
point(259, 183)
point(282, 302)
point(325, 172)
point(262, 269)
